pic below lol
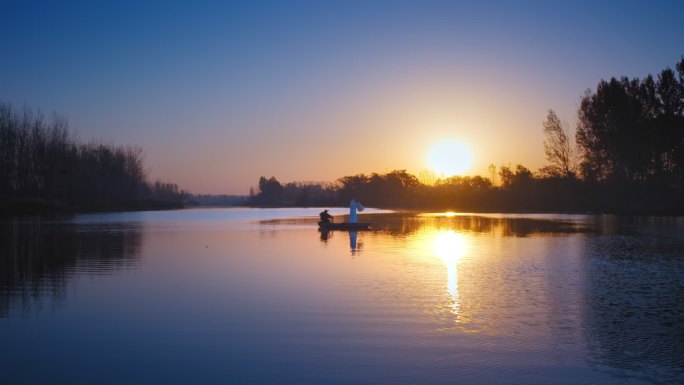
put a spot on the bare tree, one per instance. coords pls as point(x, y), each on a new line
point(42, 161)
point(492, 173)
point(557, 147)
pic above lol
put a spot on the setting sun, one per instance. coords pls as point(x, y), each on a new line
point(449, 157)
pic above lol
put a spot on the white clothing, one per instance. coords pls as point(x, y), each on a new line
point(353, 206)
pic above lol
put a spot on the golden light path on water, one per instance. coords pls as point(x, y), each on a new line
point(450, 247)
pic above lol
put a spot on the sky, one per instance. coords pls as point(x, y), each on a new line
point(220, 93)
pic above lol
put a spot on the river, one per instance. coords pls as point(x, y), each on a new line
point(260, 296)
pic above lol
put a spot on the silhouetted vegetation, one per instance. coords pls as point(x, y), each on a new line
point(43, 167)
point(521, 190)
point(272, 193)
point(629, 145)
point(632, 131)
point(558, 147)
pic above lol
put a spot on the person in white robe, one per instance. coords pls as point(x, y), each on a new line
point(353, 207)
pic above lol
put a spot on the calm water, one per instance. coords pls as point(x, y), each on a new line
point(251, 296)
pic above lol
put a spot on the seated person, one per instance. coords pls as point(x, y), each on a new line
point(325, 217)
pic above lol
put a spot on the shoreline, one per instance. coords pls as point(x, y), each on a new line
point(655, 213)
point(37, 207)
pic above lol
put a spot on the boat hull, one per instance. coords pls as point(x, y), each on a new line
point(343, 226)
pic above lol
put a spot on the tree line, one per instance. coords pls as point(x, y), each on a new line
point(631, 131)
point(627, 157)
point(43, 167)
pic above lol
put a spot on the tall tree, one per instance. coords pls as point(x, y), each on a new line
point(557, 146)
point(633, 130)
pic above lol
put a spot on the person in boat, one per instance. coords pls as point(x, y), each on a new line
point(353, 207)
point(325, 217)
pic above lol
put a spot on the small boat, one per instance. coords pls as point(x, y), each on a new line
point(343, 226)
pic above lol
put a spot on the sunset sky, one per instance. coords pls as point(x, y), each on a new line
point(218, 94)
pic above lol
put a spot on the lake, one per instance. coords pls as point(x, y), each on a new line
point(260, 296)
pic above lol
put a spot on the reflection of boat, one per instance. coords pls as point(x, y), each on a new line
point(343, 226)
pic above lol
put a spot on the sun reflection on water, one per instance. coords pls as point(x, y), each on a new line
point(450, 247)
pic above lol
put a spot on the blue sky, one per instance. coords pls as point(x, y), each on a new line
point(220, 93)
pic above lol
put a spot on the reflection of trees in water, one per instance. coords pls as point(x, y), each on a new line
point(410, 223)
point(407, 223)
point(38, 259)
point(635, 308)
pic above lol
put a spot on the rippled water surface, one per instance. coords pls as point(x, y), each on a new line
point(260, 296)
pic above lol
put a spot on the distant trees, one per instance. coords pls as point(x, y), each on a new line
point(458, 193)
point(42, 164)
point(632, 131)
point(270, 192)
point(515, 180)
point(394, 188)
point(520, 190)
point(167, 191)
point(629, 139)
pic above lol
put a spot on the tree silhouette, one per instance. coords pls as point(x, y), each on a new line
point(557, 146)
point(270, 191)
point(632, 131)
point(42, 165)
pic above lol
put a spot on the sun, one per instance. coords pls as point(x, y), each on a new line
point(450, 157)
